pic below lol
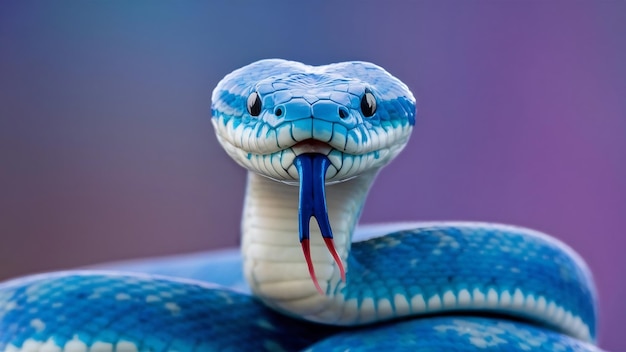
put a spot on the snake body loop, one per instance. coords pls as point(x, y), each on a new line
point(318, 285)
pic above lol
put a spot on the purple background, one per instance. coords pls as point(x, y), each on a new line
point(106, 148)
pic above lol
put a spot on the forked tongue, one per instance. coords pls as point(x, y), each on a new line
point(312, 203)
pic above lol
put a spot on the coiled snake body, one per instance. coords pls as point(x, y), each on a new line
point(313, 140)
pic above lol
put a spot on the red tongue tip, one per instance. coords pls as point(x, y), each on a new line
point(307, 256)
point(331, 248)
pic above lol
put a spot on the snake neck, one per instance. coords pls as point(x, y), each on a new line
point(274, 264)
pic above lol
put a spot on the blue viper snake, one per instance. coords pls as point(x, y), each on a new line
point(313, 139)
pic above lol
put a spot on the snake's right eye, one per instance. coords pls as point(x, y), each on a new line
point(254, 104)
point(368, 104)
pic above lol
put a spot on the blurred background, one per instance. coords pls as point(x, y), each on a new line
point(107, 152)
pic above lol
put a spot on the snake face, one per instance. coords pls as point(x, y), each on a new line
point(271, 111)
point(312, 126)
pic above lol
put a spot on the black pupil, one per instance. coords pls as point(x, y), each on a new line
point(254, 104)
point(368, 104)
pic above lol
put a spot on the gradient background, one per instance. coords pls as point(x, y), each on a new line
point(107, 153)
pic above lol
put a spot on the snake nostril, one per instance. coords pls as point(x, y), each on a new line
point(278, 111)
point(343, 113)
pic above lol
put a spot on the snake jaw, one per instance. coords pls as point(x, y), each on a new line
point(312, 203)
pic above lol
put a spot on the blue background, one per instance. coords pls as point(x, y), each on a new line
point(106, 148)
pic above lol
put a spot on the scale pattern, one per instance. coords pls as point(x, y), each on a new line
point(108, 311)
point(519, 273)
point(454, 334)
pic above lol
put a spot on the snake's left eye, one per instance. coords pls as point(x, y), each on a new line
point(368, 104)
point(254, 104)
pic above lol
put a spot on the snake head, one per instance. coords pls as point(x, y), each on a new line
point(267, 113)
point(312, 126)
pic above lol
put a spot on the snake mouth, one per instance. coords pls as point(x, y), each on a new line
point(273, 156)
point(311, 146)
point(312, 169)
point(280, 165)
